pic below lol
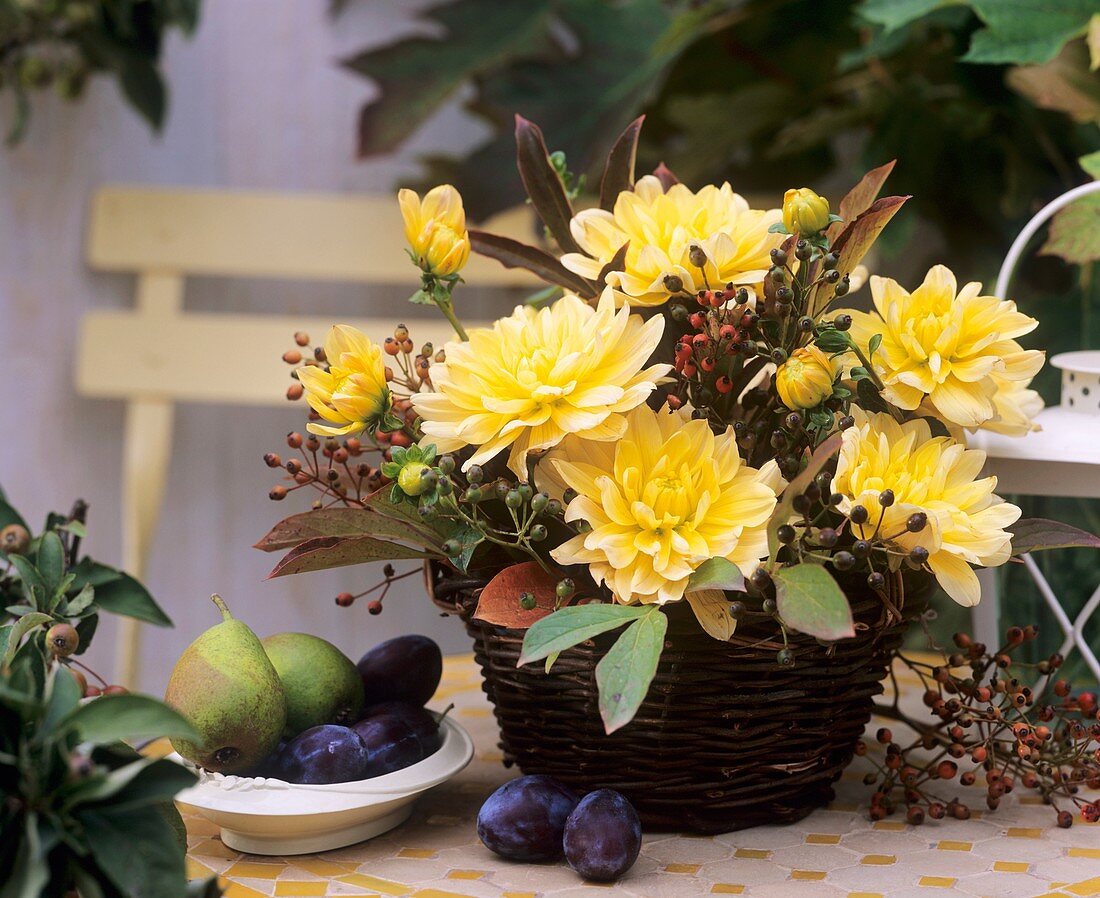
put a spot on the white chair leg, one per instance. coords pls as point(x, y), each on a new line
point(147, 445)
point(987, 613)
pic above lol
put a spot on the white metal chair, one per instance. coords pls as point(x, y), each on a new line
point(152, 356)
point(1062, 459)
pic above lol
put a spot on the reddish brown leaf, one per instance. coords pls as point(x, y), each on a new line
point(542, 183)
point(617, 263)
point(858, 200)
point(664, 174)
point(618, 173)
point(334, 551)
point(1037, 534)
point(342, 522)
point(858, 237)
point(513, 254)
point(499, 600)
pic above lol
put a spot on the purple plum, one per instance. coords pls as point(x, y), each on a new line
point(603, 836)
point(525, 818)
point(324, 754)
point(402, 669)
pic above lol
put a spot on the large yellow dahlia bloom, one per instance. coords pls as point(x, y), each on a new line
point(538, 375)
point(352, 394)
point(935, 475)
point(662, 228)
point(954, 349)
point(666, 497)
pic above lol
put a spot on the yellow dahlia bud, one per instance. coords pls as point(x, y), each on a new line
point(411, 479)
point(435, 227)
point(446, 252)
point(804, 212)
point(805, 379)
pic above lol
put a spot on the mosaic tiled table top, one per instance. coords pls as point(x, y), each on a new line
point(838, 852)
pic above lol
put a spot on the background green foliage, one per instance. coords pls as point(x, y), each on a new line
point(986, 104)
point(60, 43)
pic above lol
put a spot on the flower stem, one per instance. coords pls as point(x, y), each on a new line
point(448, 310)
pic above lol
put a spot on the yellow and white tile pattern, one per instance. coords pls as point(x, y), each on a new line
point(1016, 852)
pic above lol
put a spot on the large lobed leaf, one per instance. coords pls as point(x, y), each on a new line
point(417, 75)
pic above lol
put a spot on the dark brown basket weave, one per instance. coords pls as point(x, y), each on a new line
point(725, 739)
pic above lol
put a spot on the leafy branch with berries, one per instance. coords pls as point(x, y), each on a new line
point(78, 799)
point(687, 414)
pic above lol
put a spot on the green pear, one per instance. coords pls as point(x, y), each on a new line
point(321, 684)
point(226, 686)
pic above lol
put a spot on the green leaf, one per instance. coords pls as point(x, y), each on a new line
point(336, 551)
point(618, 172)
point(895, 14)
point(81, 602)
point(137, 850)
point(873, 344)
point(625, 672)
point(20, 629)
point(811, 602)
point(1091, 164)
point(111, 718)
point(146, 781)
point(513, 254)
point(567, 627)
point(870, 399)
point(1026, 31)
point(34, 587)
point(126, 596)
point(417, 75)
point(31, 873)
point(717, 573)
point(85, 629)
point(345, 522)
point(796, 487)
point(1038, 534)
point(65, 695)
point(9, 515)
point(144, 87)
point(50, 561)
point(1075, 232)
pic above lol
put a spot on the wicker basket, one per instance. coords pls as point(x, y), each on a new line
point(725, 739)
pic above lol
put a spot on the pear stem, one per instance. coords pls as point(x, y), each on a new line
point(220, 602)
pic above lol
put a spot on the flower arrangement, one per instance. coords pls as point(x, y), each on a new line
point(688, 417)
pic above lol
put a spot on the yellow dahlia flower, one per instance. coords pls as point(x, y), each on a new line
point(935, 475)
point(664, 498)
point(804, 212)
point(954, 347)
point(538, 375)
point(436, 229)
point(352, 394)
point(806, 378)
point(662, 228)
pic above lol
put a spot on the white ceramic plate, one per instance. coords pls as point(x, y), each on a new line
point(269, 816)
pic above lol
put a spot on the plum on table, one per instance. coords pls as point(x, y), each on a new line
point(524, 820)
point(603, 836)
